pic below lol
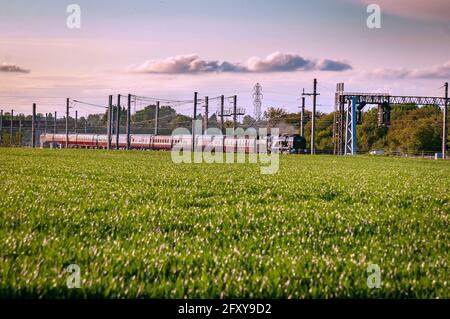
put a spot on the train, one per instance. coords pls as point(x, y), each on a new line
point(239, 144)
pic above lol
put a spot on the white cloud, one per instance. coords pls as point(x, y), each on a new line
point(331, 65)
point(12, 68)
point(190, 63)
point(279, 62)
point(440, 71)
point(436, 71)
point(275, 62)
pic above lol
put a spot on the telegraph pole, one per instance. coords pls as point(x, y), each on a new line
point(234, 111)
point(118, 122)
point(67, 123)
point(11, 128)
point(45, 123)
point(156, 117)
point(20, 131)
point(1, 126)
point(313, 117)
point(108, 125)
point(85, 126)
point(445, 122)
point(112, 120)
point(33, 126)
point(54, 124)
point(313, 122)
point(222, 102)
point(302, 117)
point(193, 121)
point(205, 121)
point(76, 121)
point(128, 121)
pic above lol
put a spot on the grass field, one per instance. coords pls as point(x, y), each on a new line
point(140, 226)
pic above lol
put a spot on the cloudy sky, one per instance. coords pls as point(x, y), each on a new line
point(171, 48)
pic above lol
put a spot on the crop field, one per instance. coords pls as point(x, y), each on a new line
point(138, 225)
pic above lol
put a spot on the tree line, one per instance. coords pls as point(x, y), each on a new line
point(412, 129)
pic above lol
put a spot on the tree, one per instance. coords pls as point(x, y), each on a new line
point(274, 115)
point(248, 121)
point(212, 121)
point(181, 121)
point(413, 129)
point(369, 134)
point(166, 114)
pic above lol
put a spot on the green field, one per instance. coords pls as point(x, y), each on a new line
point(140, 226)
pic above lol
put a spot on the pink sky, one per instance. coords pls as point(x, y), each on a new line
point(168, 49)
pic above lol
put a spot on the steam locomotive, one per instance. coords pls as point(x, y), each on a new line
point(239, 144)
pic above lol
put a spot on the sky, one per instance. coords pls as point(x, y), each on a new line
point(171, 48)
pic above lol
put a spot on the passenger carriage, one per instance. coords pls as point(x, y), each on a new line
point(140, 141)
point(161, 142)
point(122, 141)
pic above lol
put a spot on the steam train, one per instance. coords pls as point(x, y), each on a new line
point(239, 144)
